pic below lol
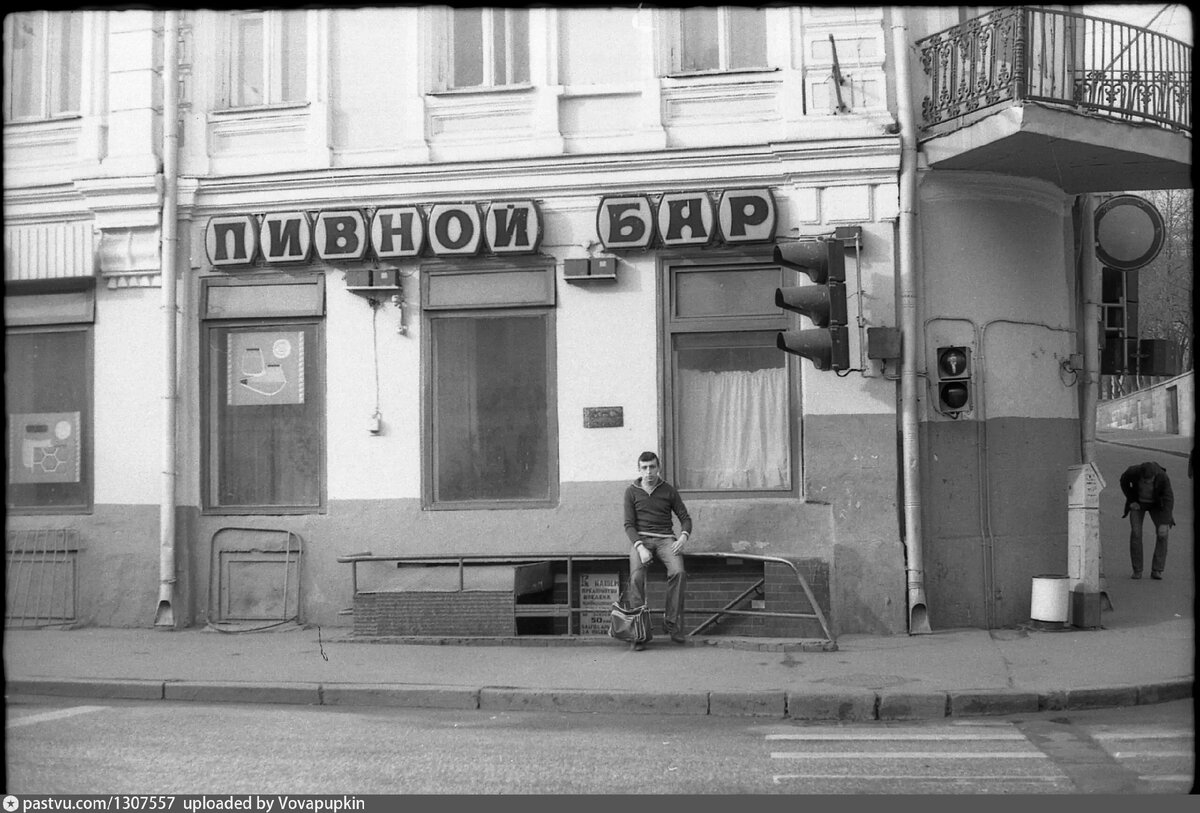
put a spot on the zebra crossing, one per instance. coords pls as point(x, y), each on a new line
point(977, 756)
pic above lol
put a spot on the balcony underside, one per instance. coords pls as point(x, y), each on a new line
point(1078, 153)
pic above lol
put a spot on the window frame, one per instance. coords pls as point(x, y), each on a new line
point(673, 44)
point(53, 24)
point(273, 60)
point(86, 423)
point(445, 71)
point(209, 450)
point(670, 267)
point(543, 308)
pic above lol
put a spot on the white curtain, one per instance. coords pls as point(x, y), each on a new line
point(733, 429)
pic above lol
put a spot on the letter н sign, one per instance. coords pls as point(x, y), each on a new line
point(398, 231)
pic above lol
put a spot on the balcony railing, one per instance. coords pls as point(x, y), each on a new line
point(1020, 54)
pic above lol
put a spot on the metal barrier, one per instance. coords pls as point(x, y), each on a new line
point(40, 588)
point(568, 610)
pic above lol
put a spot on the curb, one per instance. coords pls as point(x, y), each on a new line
point(1143, 447)
point(863, 705)
point(746, 644)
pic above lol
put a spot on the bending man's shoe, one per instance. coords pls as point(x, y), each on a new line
point(637, 647)
point(678, 638)
point(1154, 575)
point(1137, 574)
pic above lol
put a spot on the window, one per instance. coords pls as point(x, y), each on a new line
point(264, 400)
point(268, 58)
point(490, 47)
point(43, 59)
point(48, 399)
point(491, 400)
point(728, 386)
point(720, 39)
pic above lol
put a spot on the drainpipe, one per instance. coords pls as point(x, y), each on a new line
point(165, 615)
point(1090, 288)
point(910, 339)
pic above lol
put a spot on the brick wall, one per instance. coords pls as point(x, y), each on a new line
point(413, 613)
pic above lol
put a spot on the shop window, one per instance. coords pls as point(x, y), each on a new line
point(48, 400)
point(489, 47)
point(706, 39)
point(268, 55)
point(729, 388)
point(264, 401)
point(491, 422)
point(43, 63)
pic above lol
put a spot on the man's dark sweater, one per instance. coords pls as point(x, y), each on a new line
point(651, 513)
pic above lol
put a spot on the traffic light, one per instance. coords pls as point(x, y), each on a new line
point(827, 344)
point(954, 380)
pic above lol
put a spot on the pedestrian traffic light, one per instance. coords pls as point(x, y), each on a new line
point(954, 380)
point(823, 260)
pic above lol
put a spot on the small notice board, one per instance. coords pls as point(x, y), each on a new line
point(597, 593)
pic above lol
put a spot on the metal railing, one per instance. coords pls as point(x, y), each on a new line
point(40, 586)
point(1031, 54)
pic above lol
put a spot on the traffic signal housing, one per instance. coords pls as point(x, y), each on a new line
point(827, 343)
point(953, 380)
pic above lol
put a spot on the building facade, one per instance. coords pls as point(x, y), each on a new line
point(286, 286)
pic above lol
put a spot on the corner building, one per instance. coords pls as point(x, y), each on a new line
point(441, 275)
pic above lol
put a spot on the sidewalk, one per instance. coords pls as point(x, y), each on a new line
point(955, 673)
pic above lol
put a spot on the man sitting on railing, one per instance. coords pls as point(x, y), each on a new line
point(649, 503)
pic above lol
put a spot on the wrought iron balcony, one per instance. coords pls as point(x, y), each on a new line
point(1032, 54)
point(1089, 104)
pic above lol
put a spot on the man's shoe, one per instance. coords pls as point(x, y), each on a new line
point(1136, 575)
point(1156, 576)
point(637, 647)
point(678, 638)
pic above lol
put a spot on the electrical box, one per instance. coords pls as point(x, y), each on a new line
point(385, 278)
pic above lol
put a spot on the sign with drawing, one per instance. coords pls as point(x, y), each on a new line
point(265, 368)
point(44, 447)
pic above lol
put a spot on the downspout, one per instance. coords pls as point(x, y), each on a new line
point(910, 339)
point(165, 615)
point(1090, 288)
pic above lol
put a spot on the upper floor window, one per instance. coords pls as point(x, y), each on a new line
point(490, 47)
point(719, 39)
point(268, 58)
point(43, 59)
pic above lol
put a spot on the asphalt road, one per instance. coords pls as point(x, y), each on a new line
point(63, 746)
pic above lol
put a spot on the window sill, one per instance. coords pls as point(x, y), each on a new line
point(45, 121)
point(482, 90)
point(259, 109)
point(735, 75)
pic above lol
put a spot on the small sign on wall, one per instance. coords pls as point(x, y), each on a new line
point(597, 593)
point(44, 447)
point(603, 417)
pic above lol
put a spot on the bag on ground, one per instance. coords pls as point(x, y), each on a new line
point(630, 625)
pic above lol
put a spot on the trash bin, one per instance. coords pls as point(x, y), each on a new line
point(1050, 599)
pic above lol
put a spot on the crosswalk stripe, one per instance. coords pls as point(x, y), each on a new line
point(47, 716)
point(908, 755)
point(900, 735)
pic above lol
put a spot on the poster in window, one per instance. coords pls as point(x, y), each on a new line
point(44, 447)
point(266, 368)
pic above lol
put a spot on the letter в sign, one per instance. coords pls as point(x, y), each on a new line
point(513, 227)
point(455, 228)
point(285, 237)
point(398, 231)
point(231, 240)
point(625, 222)
point(746, 215)
point(340, 235)
point(685, 219)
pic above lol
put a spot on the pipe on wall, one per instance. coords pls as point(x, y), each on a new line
point(165, 614)
point(910, 338)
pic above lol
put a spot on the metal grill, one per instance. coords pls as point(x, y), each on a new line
point(40, 587)
point(1086, 63)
